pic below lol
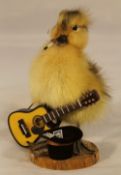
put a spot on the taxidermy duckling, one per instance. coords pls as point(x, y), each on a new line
point(62, 72)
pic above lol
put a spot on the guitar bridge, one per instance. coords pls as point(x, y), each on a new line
point(23, 128)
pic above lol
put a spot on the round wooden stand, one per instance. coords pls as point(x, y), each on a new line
point(85, 159)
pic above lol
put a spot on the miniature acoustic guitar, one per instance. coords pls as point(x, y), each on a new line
point(25, 124)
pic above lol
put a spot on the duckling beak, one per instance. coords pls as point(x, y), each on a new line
point(62, 39)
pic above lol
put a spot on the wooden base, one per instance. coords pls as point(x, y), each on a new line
point(85, 159)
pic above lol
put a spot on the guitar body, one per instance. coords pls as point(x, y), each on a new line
point(21, 123)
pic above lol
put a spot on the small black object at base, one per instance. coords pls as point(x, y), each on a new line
point(36, 130)
point(62, 148)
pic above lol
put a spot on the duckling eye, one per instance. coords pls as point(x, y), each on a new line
point(75, 27)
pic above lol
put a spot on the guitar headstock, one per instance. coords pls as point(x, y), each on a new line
point(89, 98)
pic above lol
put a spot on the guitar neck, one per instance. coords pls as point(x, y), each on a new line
point(89, 98)
point(62, 111)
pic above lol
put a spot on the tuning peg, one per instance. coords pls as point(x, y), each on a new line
point(89, 101)
point(92, 99)
point(90, 94)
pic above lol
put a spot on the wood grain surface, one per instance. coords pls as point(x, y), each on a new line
point(83, 160)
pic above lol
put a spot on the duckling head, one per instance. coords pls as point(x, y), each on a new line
point(71, 28)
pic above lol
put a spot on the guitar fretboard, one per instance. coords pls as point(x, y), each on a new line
point(58, 113)
point(86, 99)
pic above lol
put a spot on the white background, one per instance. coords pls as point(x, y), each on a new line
point(24, 26)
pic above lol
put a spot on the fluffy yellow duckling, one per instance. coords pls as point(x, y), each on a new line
point(62, 71)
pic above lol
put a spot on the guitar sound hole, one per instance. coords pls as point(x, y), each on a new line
point(38, 122)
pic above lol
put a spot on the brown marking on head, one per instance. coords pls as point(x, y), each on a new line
point(64, 24)
point(65, 16)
